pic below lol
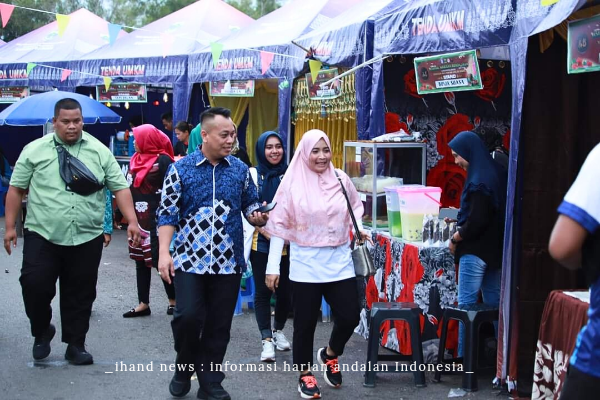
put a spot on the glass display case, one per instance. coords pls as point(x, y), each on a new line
point(372, 166)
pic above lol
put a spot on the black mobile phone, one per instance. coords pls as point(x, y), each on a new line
point(267, 208)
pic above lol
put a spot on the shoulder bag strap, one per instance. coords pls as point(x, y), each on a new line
point(357, 236)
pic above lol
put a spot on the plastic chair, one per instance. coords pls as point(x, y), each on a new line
point(472, 316)
point(325, 310)
point(381, 312)
point(245, 297)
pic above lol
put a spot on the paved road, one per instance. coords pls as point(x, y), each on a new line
point(146, 343)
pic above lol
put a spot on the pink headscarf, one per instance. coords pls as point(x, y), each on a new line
point(311, 208)
point(151, 143)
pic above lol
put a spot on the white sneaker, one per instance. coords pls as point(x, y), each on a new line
point(281, 341)
point(268, 351)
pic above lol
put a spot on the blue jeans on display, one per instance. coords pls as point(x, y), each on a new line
point(473, 276)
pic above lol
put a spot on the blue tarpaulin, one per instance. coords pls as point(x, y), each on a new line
point(274, 32)
point(140, 57)
point(84, 33)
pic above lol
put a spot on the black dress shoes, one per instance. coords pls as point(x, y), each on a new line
point(77, 355)
point(41, 345)
point(132, 313)
point(179, 386)
point(213, 391)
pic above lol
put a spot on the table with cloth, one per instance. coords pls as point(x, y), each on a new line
point(410, 272)
point(565, 313)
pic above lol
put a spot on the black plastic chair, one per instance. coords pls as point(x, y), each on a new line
point(472, 316)
point(381, 312)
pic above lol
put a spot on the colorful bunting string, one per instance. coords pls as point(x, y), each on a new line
point(107, 82)
point(266, 59)
point(6, 11)
point(216, 49)
point(30, 66)
point(315, 67)
point(65, 74)
point(62, 21)
point(113, 32)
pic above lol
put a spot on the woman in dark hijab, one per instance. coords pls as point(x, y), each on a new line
point(269, 172)
point(477, 245)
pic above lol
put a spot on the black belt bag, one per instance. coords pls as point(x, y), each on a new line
point(76, 175)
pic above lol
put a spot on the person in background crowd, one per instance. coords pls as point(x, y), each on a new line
point(312, 214)
point(63, 233)
point(477, 244)
point(195, 138)
point(268, 175)
point(148, 166)
point(575, 243)
point(5, 170)
point(167, 120)
point(136, 120)
point(240, 152)
point(107, 225)
point(203, 197)
point(182, 130)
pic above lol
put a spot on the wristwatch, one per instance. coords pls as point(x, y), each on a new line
point(453, 240)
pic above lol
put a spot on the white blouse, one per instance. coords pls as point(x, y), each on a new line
point(312, 264)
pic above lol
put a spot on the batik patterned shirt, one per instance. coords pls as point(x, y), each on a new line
point(205, 204)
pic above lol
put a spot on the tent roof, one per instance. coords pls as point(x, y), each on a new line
point(178, 33)
point(286, 24)
point(85, 32)
point(343, 36)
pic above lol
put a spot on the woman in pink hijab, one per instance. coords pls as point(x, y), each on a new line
point(147, 169)
point(312, 215)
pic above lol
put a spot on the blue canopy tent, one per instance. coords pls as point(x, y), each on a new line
point(51, 52)
point(436, 26)
point(84, 33)
point(157, 53)
point(241, 57)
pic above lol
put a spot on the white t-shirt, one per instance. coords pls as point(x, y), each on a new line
point(313, 264)
point(582, 204)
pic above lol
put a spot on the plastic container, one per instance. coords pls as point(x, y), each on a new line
point(415, 202)
point(393, 211)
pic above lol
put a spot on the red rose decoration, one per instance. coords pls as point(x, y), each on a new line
point(493, 85)
point(410, 84)
point(454, 125)
point(451, 178)
point(392, 122)
point(506, 140)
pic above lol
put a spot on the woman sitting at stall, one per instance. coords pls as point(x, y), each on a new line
point(477, 244)
point(269, 173)
point(182, 131)
point(154, 154)
point(312, 214)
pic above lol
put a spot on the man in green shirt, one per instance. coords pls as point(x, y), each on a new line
point(63, 230)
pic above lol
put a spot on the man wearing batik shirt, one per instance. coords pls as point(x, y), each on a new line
point(203, 197)
point(575, 243)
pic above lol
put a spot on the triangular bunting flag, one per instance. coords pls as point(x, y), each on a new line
point(6, 11)
point(30, 66)
point(65, 74)
point(113, 32)
point(315, 67)
point(266, 58)
point(107, 82)
point(216, 49)
point(167, 42)
point(63, 22)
